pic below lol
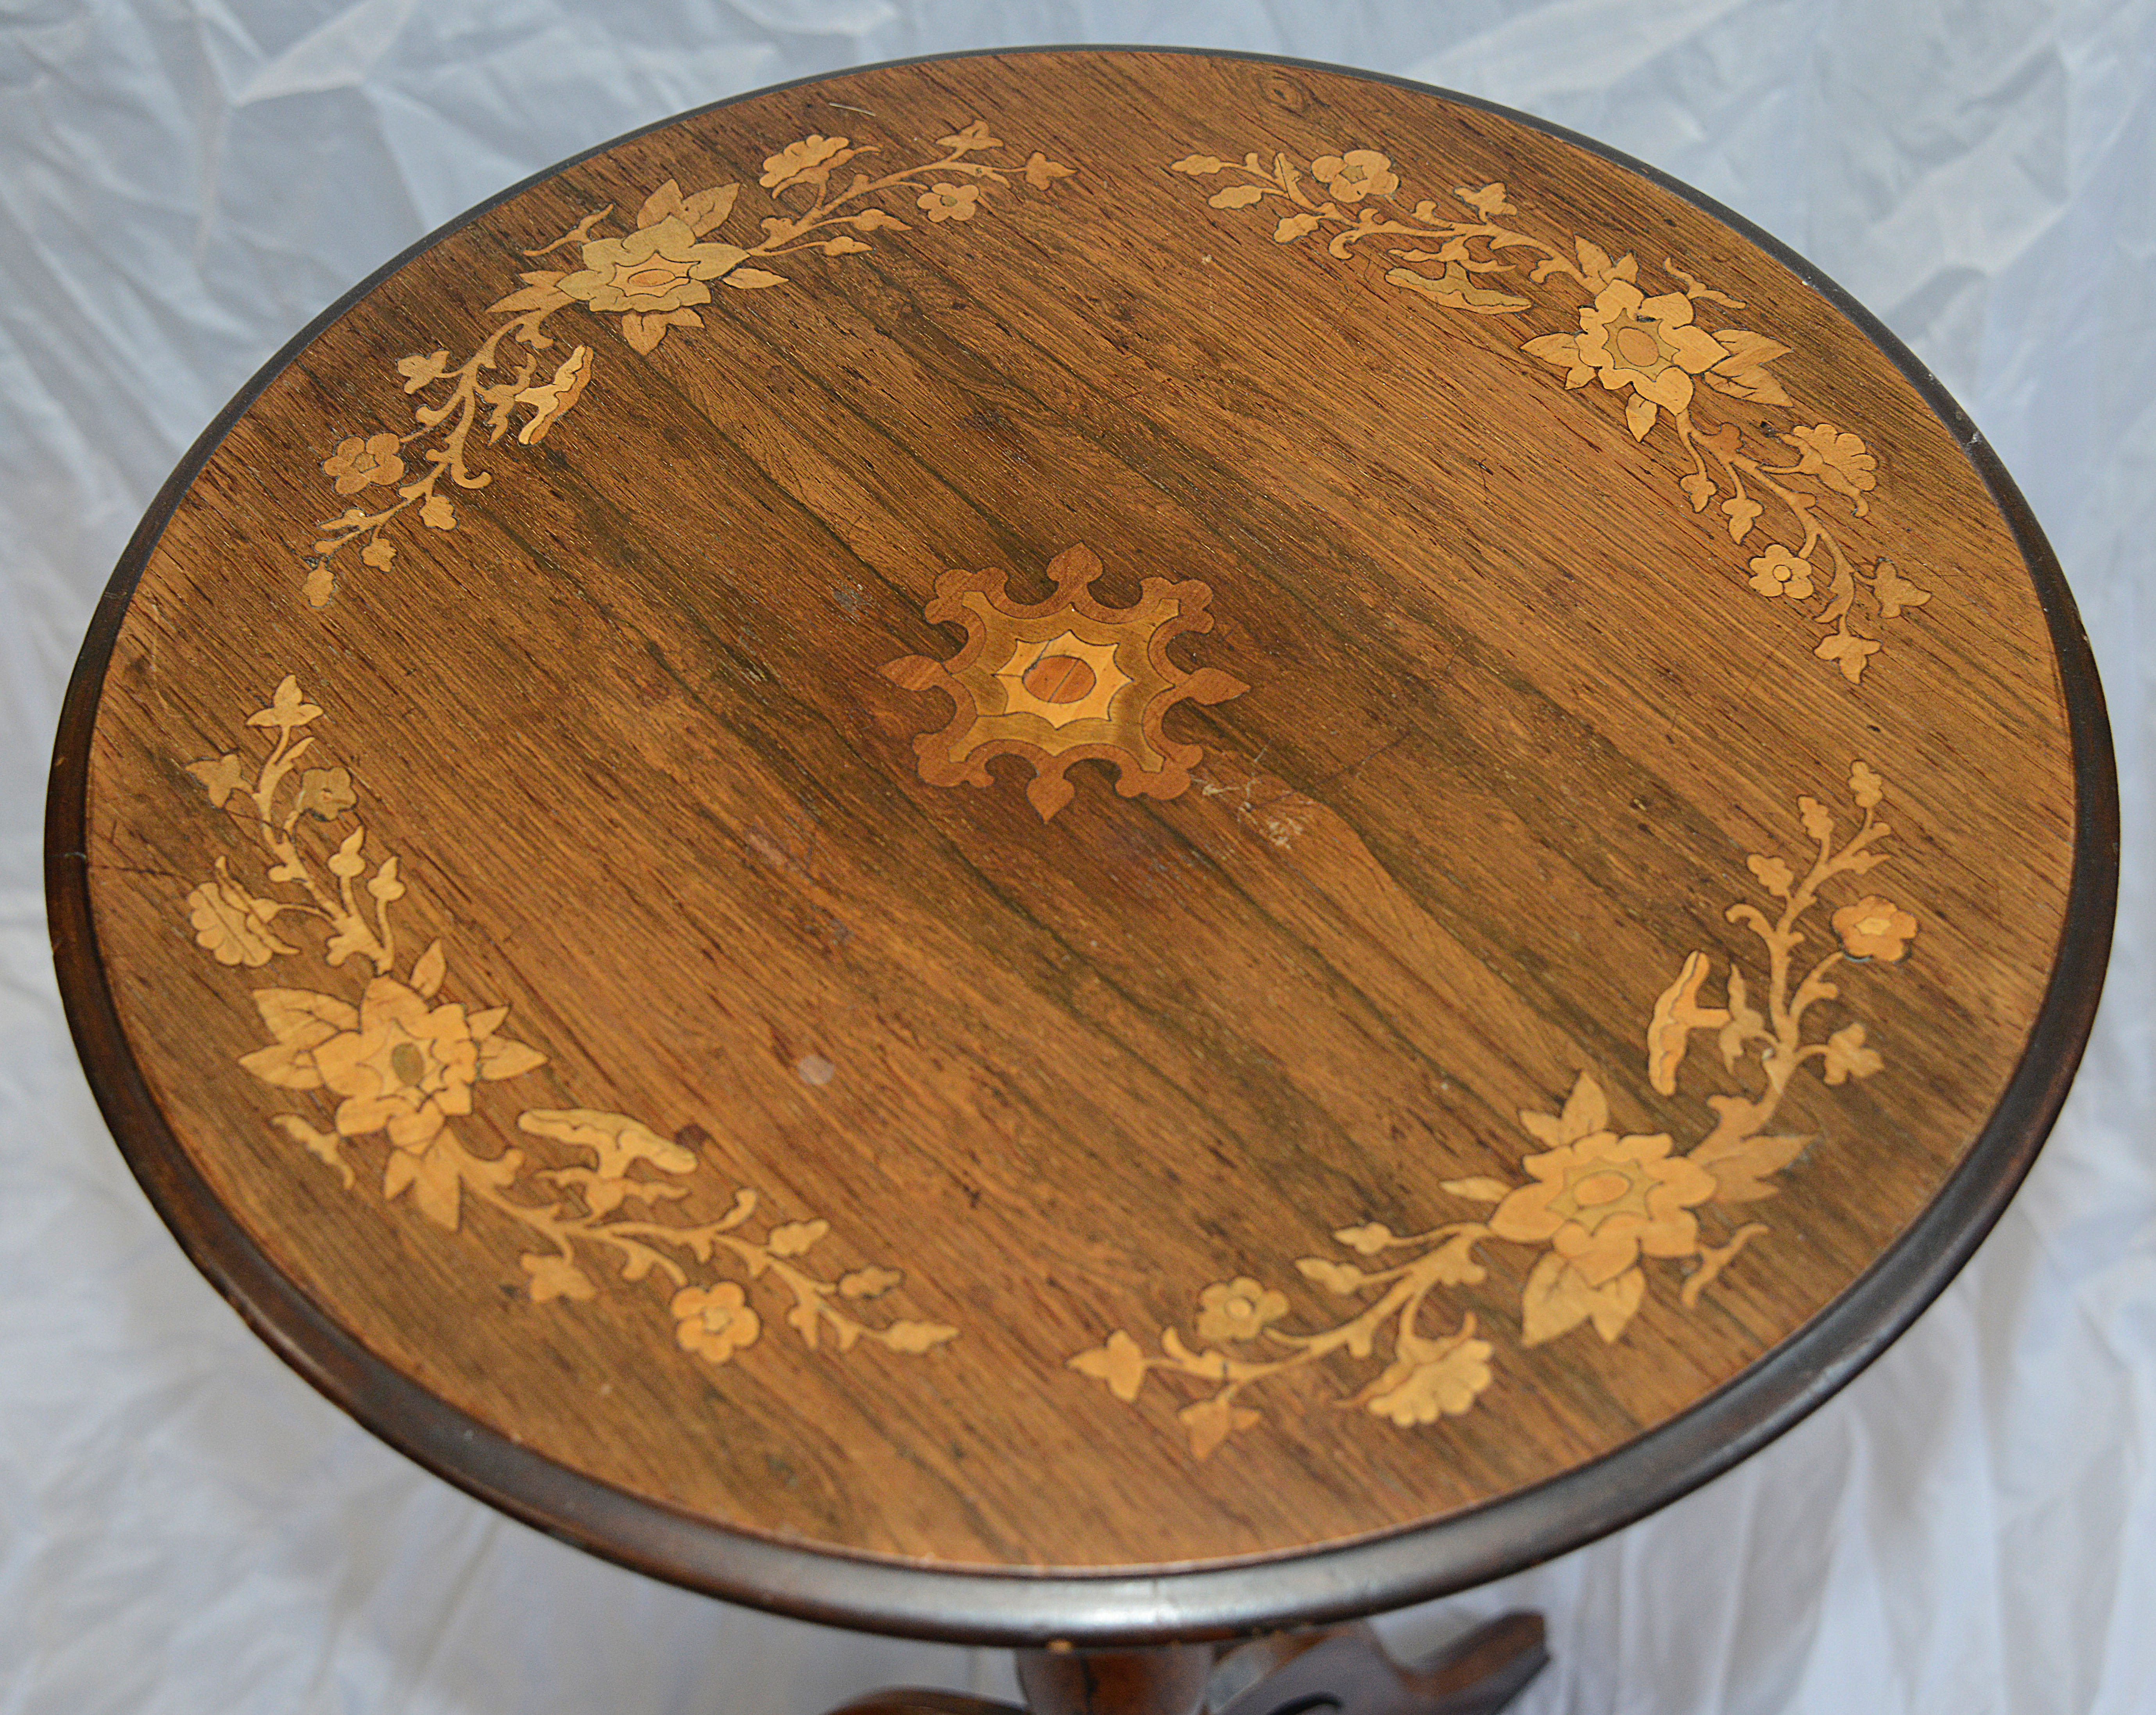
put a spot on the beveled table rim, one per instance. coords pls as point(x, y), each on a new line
point(1018, 1606)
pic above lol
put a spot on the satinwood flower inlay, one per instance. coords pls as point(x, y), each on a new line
point(660, 274)
point(594, 1190)
point(1596, 1205)
point(1647, 350)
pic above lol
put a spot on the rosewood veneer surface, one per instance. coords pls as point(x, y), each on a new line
point(957, 844)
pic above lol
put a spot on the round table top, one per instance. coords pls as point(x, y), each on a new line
point(1084, 844)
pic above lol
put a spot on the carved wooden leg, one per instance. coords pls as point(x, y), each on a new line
point(1347, 1672)
point(1167, 1680)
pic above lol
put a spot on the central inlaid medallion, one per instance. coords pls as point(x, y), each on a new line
point(1063, 680)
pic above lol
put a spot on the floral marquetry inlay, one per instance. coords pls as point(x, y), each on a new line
point(1595, 1204)
point(655, 277)
point(1063, 680)
point(401, 1061)
point(1648, 349)
point(926, 834)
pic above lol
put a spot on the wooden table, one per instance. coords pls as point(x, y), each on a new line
point(1088, 849)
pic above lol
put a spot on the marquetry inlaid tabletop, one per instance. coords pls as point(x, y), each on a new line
point(1085, 812)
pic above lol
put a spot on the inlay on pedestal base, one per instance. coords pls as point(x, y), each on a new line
point(1106, 849)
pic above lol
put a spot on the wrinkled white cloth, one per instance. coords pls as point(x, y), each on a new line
point(185, 1526)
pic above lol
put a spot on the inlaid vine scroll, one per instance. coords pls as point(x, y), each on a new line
point(653, 277)
point(1594, 1203)
point(1648, 348)
point(387, 1054)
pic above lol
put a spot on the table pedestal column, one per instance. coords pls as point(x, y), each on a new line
point(1339, 1671)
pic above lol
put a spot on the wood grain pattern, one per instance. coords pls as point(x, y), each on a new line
point(652, 277)
point(1493, 723)
point(1646, 348)
point(401, 1063)
point(1598, 1201)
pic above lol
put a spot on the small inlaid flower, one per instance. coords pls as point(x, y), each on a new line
point(1778, 571)
point(401, 1065)
point(714, 1322)
point(655, 268)
point(1602, 1201)
point(1875, 929)
point(1628, 339)
point(1358, 173)
point(1240, 1309)
point(356, 463)
point(942, 201)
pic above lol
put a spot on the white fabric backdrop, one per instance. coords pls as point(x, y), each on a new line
point(185, 1526)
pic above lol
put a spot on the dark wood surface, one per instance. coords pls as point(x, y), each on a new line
point(1165, 896)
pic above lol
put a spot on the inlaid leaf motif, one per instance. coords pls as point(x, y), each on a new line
point(1041, 173)
point(325, 794)
point(1210, 1422)
point(1342, 1277)
point(1847, 1057)
point(1489, 201)
point(1664, 358)
point(1677, 1013)
point(1603, 1213)
point(795, 1237)
point(1120, 1362)
point(615, 1142)
point(402, 1059)
point(220, 777)
point(556, 1277)
point(653, 276)
point(1431, 1381)
point(324, 1145)
point(918, 1336)
point(1741, 1175)
point(234, 924)
point(548, 401)
point(1777, 877)
point(1745, 1025)
point(1454, 288)
point(1743, 374)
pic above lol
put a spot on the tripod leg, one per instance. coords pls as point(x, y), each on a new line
point(1347, 1672)
point(1169, 1680)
